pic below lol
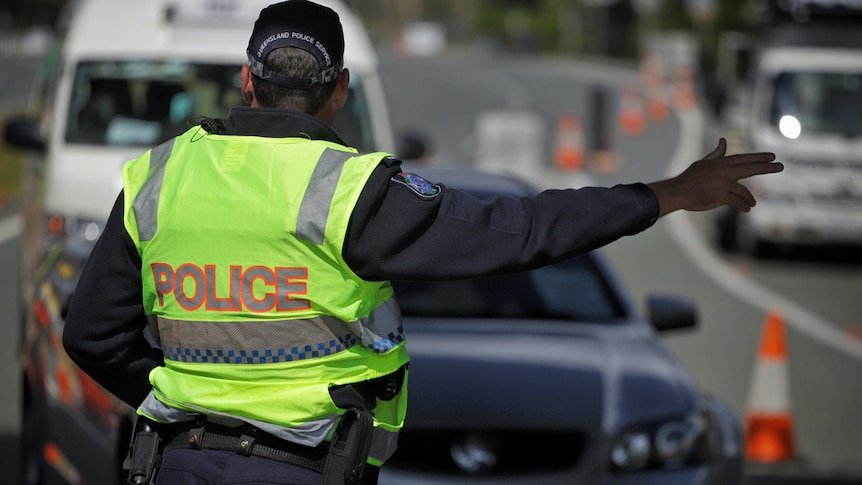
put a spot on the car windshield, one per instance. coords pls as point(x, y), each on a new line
point(817, 103)
point(572, 290)
point(143, 103)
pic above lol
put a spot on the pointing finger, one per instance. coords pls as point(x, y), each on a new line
point(761, 157)
point(750, 169)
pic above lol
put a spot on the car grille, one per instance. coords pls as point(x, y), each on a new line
point(516, 451)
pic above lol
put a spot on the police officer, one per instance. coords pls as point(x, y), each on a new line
point(258, 250)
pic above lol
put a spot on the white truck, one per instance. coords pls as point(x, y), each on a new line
point(803, 101)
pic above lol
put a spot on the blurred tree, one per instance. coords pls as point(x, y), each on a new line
point(569, 26)
point(672, 15)
point(21, 14)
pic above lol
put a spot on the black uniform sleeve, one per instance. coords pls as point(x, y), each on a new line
point(104, 331)
point(397, 234)
point(394, 233)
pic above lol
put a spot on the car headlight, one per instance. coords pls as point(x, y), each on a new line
point(669, 444)
point(631, 451)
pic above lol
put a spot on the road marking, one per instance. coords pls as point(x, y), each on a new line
point(690, 240)
point(10, 228)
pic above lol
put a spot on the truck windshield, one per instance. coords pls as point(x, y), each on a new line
point(144, 102)
point(817, 103)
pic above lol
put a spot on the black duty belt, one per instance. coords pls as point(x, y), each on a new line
point(244, 440)
point(250, 441)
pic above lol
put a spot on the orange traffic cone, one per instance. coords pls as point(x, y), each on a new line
point(651, 70)
point(569, 151)
point(631, 118)
point(652, 74)
point(769, 424)
point(683, 91)
point(657, 104)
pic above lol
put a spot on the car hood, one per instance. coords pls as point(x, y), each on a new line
point(539, 376)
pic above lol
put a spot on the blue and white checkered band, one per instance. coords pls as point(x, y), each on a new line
point(418, 185)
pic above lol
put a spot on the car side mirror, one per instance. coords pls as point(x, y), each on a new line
point(413, 145)
point(671, 312)
point(24, 133)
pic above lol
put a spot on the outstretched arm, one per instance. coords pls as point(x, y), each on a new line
point(714, 181)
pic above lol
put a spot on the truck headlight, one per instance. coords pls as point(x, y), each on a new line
point(668, 444)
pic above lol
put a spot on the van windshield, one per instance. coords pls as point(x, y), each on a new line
point(143, 102)
point(817, 103)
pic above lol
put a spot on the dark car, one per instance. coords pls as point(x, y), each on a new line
point(551, 376)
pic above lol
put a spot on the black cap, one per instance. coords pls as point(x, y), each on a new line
point(302, 24)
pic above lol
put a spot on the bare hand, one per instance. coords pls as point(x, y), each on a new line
point(714, 181)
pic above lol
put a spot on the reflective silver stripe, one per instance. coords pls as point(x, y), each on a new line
point(382, 330)
point(146, 204)
point(254, 341)
point(310, 433)
point(314, 209)
point(257, 341)
point(383, 444)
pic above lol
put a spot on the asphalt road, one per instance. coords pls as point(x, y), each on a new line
point(443, 98)
point(815, 294)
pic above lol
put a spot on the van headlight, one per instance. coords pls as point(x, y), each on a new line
point(74, 229)
point(669, 444)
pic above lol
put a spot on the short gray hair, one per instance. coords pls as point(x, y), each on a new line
point(294, 63)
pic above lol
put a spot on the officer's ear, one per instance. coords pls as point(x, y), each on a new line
point(247, 86)
point(342, 88)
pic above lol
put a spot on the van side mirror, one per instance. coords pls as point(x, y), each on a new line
point(671, 312)
point(24, 133)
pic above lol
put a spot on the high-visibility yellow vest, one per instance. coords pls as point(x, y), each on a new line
point(246, 289)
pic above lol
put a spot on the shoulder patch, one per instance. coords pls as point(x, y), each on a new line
point(418, 185)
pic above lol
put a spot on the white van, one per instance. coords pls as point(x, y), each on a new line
point(131, 74)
